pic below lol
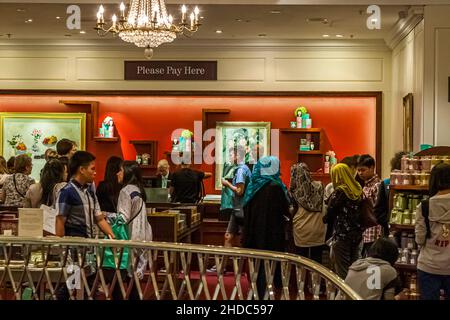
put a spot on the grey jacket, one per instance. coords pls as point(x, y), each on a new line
point(434, 255)
point(372, 279)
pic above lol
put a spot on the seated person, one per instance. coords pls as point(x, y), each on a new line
point(186, 184)
point(374, 277)
point(163, 176)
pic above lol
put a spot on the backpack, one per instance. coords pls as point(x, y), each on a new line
point(426, 214)
point(367, 216)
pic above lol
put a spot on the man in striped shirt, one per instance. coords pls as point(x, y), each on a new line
point(77, 205)
point(366, 172)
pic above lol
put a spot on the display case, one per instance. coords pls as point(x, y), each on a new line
point(408, 188)
point(176, 224)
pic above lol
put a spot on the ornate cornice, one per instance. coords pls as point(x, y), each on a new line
point(404, 26)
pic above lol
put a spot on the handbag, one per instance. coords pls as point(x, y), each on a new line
point(367, 216)
point(121, 232)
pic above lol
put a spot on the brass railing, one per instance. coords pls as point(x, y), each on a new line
point(42, 268)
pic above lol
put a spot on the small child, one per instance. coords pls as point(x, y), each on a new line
point(374, 277)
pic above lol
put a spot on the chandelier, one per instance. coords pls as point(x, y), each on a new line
point(147, 24)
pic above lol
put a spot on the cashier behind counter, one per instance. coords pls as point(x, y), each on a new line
point(186, 184)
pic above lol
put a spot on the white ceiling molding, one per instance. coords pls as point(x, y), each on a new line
point(279, 45)
point(404, 26)
point(256, 2)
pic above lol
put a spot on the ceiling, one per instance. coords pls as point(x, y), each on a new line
point(237, 22)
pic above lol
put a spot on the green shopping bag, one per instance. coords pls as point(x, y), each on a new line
point(121, 232)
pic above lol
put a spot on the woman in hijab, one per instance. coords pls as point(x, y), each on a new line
point(344, 206)
point(308, 227)
point(266, 206)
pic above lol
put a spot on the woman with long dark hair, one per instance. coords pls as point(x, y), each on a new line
point(131, 207)
point(46, 190)
point(433, 235)
point(131, 202)
point(108, 190)
point(65, 162)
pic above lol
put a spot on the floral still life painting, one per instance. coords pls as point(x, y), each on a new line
point(34, 133)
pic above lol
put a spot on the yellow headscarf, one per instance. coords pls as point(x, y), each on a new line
point(343, 179)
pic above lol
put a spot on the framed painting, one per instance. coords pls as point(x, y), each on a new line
point(33, 133)
point(253, 136)
point(408, 121)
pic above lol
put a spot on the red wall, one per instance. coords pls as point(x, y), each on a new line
point(349, 123)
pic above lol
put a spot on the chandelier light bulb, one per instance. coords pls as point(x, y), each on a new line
point(101, 10)
point(114, 20)
point(122, 6)
point(183, 13)
point(196, 11)
point(192, 19)
point(170, 19)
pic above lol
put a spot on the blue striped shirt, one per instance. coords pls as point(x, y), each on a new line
point(79, 205)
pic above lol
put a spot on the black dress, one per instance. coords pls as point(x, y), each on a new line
point(106, 198)
point(264, 226)
point(264, 219)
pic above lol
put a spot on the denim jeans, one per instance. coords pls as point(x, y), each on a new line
point(430, 285)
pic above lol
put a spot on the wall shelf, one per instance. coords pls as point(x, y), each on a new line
point(406, 267)
point(402, 226)
point(298, 130)
point(409, 188)
point(320, 175)
point(147, 146)
point(103, 139)
point(142, 142)
point(147, 166)
point(313, 152)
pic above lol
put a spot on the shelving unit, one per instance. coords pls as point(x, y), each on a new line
point(406, 270)
point(147, 146)
point(314, 158)
point(92, 111)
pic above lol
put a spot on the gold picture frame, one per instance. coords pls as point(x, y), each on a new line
point(248, 134)
point(408, 122)
point(33, 133)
